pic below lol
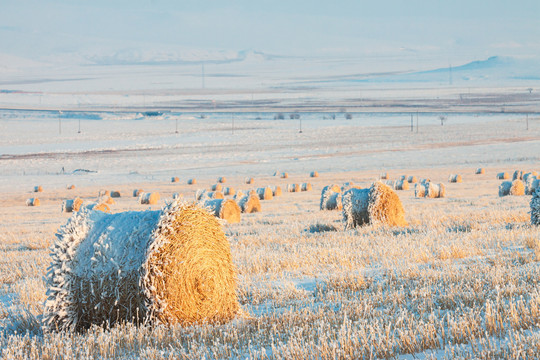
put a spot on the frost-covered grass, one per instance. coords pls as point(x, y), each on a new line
point(462, 281)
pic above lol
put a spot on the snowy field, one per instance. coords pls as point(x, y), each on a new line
point(462, 281)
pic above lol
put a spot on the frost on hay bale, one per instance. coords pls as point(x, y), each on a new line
point(249, 180)
point(175, 179)
point(249, 203)
point(192, 181)
point(480, 171)
point(222, 180)
point(106, 199)
point(38, 188)
point(276, 191)
point(535, 208)
point(99, 207)
point(215, 195)
point(314, 174)
point(306, 187)
point(503, 176)
point(435, 190)
point(293, 188)
point(115, 194)
point(217, 187)
point(531, 184)
point(455, 178)
point(419, 190)
point(518, 175)
point(104, 193)
point(72, 205)
point(229, 191)
point(284, 175)
point(390, 183)
point(239, 194)
point(532, 174)
point(224, 209)
point(412, 179)
point(383, 176)
point(331, 198)
point(378, 205)
point(33, 202)
point(149, 198)
point(402, 185)
point(403, 178)
point(265, 193)
point(71, 187)
point(516, 188)
point(137, 192)
point(171, 266)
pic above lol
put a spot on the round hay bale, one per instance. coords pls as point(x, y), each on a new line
point(293, 188)
point(249, 180)
point(402, 184)
point(535, 208)
point(149, 198)
point(383, 176)
point(217, 187)
point(390, 183)
point(314, 174)
point(115, 194)
point(201, 194)
point(104, 193)
point(33, 202)
point(419, 190)
point(249, 204)
point(137, 192)
point(239, 194)
point(224, 209)
point(265, 193)
point(455, 178)
point(192, 181)
point(504, 188)
point(306, 187)
point(229, 191)
point(518, 175)
point(331, 198)
point(480, 171)
point(107, 200)
point(71, 187)
point(403, 178)
point(517, 188)
point(176, 196)
point(276, 191)
point(171, 266)
point(435, 190)
point(412, 179)
point(378, 205)
point(528, 175)
point(215, 195)
point(424, 181)
point(175, 179)
point(503, 176)
point(531, 184)
point(38, 188)
point(284, 175)
point(99, 207)
point(72, 205)
point(222, 180)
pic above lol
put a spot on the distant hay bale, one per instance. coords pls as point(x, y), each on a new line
point(285, 175)
point(455, 178)
point(71, 187)
point(249, 180)
point(331, 198)
point(293, 188)
point(217, 187)
point(229, 191)
point(277, 173)
point(99, 207)
point(104, 193)
point(314, 174)
point(419, 190)
point(532, 174)
point(390, 183)
point(402, 184)
point(249, 203)
point(115, 194)
point(72, 205)
point(107, 200)
point(33, 202)
point(149, 198)
point(224, 209)
point(201, 195)
point(531, 184)
point(38, 188)
point(383, 176)
point(535, 207)
point(503, 176)
point(175, 179)
point(412, 179)
point(176, 196)
point(239, 194)
point(215, 195)
point(515, 187)
point(378, 205)
point(192, 181)
point(435, 190)
point(480, 171)
point(518, 175)
point(424, 181)
point(170, 266)
point(137, 192)
point(403, 178)
point(306, 187)
point(265, 193)
point(222, 180)
point(276, 191)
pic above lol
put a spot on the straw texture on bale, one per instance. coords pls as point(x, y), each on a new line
point(229, 191)
point(435, 190)
point(33, 202)
point(403, 178)
point(314, 174)
point(528, 175)
point(293, 188)
point(99, 207)
point(239, 194)
point(535, 207)
point(137, 192)
point(276, 191)
point(284, 175)
point(222, 180)
point(412, 179)
point(402, 184)
point(38, 188)
point(518, 175)
point(515, 187)
point(217, 187)
point(71, 187)
point(249, 203)
point(419, 190)
point(72, 205)
point(265, 193)
point(249, 180)
point(383, 176)
point(224, 209)
point(480, 171)
point(424, 181)
point(531, 184)
point(378, 205)
point(503, 176)
point(171, 266)
point(390, 183)
point(455, 178)
point(306, 187)
point(106, 199)
point(115, 194)
point(192, 181)
point(175, 179)
point(331, 198)
point(215, 195)
point(149, 198)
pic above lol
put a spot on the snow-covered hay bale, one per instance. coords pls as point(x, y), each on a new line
point(224, 209)
point(217, 187)
point(331, 198)
point(314, 174)
point(115, 194)
point(383, 176)
point(515, 187)
point(265, 193)
point(306, 187)
point(412, 179)
point(480, 171)
point(276, 191)
point(149, 198)
point(99, 207)
point(435, 190)
point(402, 184)
point(378, 205)
point(137, 192)
point(229, 191)
point(222, 180)
point(294, 188)
point(390, 183)
point(285, 175)
point(455, 178)
point(503, 176)
point(249, 203)
point(71, 187)
point(419, 190)
point(249, 180)
point(531, 184)
point(107, 200)
point(192, 181)
point(403, 178)
point(103, 193)
point(170, 266)
point(72, 205)
point(424, 180)
point(33, 202)
point(535, 208)
point(215, 195)
point(38, 188)
point(527, 176)
point(175, 179)
point(518, 175)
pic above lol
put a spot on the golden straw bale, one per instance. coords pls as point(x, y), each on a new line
point(175, 179)
point(383, 176)
point(215, 195)
point(276, 191)
point(38, 188)
point(222, 180)
point(419, 190)
point(249, 180)
point(284, 175)
point(435, 190)
point(137, 192)
point(480, 171)
point(99, 207)
point(192, 181)
point(531, 184)
point(71, 187)
point(293, 188)
point(532, 174)
point(314, 174)
point(503, 176)
point(115, 194)
point(518, 175)
point(249, 203)
point(149, 198)
point(33, 202)
point(265, 193)
point(517, 188)
point(306, 187)
point(402, 184)
point(224, 209)
point(217, 187)
point(72, 205)
point(107, 200)
point(331, 198)
point(412, 179)
point(170, 266)
point(229, 191)
point(104, 193)
point(239, 194)
point(455, 178)
point(535, 208)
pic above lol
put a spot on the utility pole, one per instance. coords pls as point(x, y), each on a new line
point(417, 122)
